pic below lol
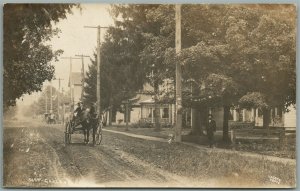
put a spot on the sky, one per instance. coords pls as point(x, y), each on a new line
point(74, 39)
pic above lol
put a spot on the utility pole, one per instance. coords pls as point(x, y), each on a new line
point(127, 114)
point(64, 109)
point(82, 71)
point(46, 100)
point(71, 58)
point(98, 64)
point(178, 75)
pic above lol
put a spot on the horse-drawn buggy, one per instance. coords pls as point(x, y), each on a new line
point(85, 122)
point(50, 118)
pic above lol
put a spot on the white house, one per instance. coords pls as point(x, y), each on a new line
point(143, 110)
point(143, 107)
point(278, 118)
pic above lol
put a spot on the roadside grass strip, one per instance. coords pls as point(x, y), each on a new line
point(232, 169)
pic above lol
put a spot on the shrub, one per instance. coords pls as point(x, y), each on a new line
point(142, 124)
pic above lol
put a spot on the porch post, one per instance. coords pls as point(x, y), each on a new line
point(170, 113)
point(252, 115)
point(141, 117)
point(256, 117)
point(234, 115)
point(152, 117)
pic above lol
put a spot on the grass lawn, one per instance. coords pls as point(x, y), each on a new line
point(270, 148)
point(216, 167)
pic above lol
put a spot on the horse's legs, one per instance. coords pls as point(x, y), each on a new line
point(85, 127)
point(84, 131)
point(84, 134)
point(88, 134)
point(94, 133)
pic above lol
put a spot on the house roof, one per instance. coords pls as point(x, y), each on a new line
point(140, 99)
point(147, 101)
point(161, 101)
point(75, 78)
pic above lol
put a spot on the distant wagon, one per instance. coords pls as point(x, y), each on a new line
point(49, 118)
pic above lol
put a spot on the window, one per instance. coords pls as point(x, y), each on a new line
point(231, 113)
point(279, 112)
point(113, 117)
point(273, 112)
point(150, 112)
point(165, 113)
point(240, 114)
point(146, 112)
point(260, 113)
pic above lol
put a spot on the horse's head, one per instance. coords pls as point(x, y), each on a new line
point(86, 113)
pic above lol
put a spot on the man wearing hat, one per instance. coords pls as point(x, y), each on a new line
point(78, 112)
point(211, 129)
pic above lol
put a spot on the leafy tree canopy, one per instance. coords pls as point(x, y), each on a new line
point(242, 48)
point(253, 45)
point(250, 46)
point(253, 100)
point(27, 57)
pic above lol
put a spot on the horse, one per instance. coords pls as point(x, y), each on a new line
point(88, 122)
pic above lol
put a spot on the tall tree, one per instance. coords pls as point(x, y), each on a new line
point(266, 59)
point(27, 57)
point(143, 27)
point(251, 45)
point(120, 73)
point(248, 45)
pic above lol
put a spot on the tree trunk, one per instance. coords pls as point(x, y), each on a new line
point(156, 107)
point(225, 123)
point(203, 119)
point(194, 121)
point(110, 116)
point(127, 115)
point(198, 120)
point(110, 110)
point(266, 118)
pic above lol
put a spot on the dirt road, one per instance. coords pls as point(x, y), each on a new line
point(35, 156)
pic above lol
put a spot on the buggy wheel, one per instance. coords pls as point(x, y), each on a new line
point(68, 133)
point(99, 134)
point(99, 138)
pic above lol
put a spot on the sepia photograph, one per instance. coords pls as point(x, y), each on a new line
point(149, 95)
